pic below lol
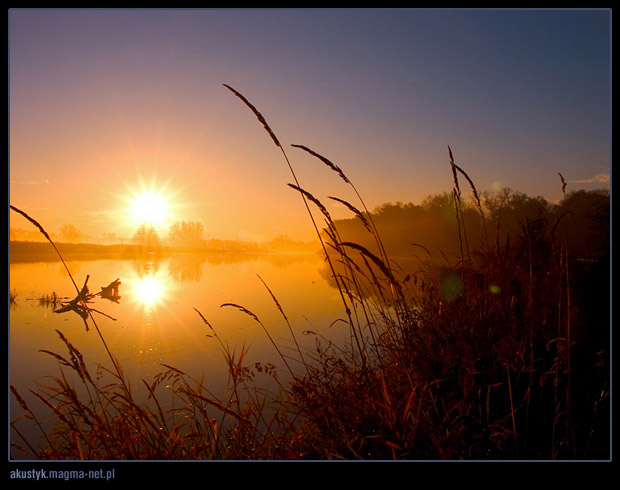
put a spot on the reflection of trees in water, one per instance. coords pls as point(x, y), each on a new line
point(147, 267)
point(279, 260)
point(77, 267)
point(184, 263)
point(285, 260)
point(370, 283)
point(187, 268)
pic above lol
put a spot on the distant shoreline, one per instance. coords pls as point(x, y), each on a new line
point(25, 251)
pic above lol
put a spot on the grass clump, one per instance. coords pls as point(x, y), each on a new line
point(499, 353)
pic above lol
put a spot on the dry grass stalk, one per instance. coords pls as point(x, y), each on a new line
point(297, 184)
point(258, 115)
point(255, 318)
point(326, 161)
point(356, 211)
point(563, 184)
point(281, 310)
point(310, 197)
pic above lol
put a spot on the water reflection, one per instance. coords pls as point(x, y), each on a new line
point(149, 287)
point(80, 304)
point(187, 268)
point(148, 290)
point(154, 301)
point(110, 292)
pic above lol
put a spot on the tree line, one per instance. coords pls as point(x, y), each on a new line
point(498, 220)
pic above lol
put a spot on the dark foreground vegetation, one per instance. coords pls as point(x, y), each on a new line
point(496, 347)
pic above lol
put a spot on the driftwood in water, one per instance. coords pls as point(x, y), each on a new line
point(110, 292)
point(79, 303)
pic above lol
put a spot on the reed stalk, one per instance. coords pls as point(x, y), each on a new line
point(275, 140)
point(80, 297)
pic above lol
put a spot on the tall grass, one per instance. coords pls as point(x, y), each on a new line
point(470, 360)
point(96, 420)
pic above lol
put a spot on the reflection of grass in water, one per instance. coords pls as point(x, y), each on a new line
point(51, 301)
point(480, 362)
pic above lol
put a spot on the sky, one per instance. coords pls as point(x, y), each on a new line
point(107, 104)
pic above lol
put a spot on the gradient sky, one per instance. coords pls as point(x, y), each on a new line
point(104, 103)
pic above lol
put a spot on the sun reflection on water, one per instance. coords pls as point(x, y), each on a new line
point(149, 289)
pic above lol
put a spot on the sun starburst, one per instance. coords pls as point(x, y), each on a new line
point(149, 204)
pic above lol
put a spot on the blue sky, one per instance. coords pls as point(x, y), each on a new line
point(103, 101)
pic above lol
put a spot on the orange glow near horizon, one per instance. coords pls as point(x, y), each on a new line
point(100, 99)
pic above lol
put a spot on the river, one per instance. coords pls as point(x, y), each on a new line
point(154, 322)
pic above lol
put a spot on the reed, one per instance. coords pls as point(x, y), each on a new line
point(474, 360)
point(367, 221)
point(305, 197)
point(257, 320)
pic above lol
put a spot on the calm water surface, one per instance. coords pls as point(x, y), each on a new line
point(155, 321)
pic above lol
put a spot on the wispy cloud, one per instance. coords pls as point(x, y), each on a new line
point(29, 182)
point(602, 178)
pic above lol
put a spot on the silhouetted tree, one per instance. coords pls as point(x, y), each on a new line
point(589, 213)
point(70, 234)
point(187, 234)
point(147, 236)
point(111, 237)
point(510, 219)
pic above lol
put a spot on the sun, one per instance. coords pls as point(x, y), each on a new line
point(150, 204)
point(149, 207)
